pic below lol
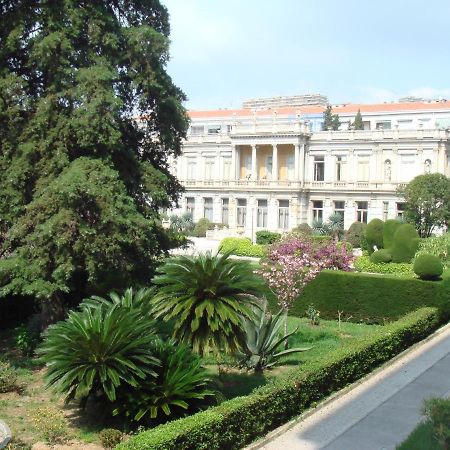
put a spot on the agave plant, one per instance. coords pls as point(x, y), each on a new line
point(96, 350)
point(320, 227)
point(263, 339)
point(181, 384)
point(207, 296)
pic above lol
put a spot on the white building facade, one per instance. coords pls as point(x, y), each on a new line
point(272, 170)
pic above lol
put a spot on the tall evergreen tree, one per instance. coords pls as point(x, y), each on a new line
point(358, 123)
point(82, 178)
point(330, 121)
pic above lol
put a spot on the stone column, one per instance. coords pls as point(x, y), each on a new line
point(296, 161)
point(302, 164)
point(237, 163)
point(254, 163)
point(274, 162)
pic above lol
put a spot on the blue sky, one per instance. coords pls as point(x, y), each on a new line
point(226, 51)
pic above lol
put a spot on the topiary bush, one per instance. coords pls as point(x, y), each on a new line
point(265, 237)
point(389, 229)
point(201, 227)
point(303, 229)
point(374, 234)
point(242, 247)
point(406, 243)
point(355, 233)
point(428, 267)
point(438, 246)
point(381, 256)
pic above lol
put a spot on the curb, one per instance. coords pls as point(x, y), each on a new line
point(6, 432)
point(312, 410)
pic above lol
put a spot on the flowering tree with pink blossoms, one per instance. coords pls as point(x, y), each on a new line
point(295, 261)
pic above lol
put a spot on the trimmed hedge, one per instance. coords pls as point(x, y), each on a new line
point(366, 264)
point(389, 229)
point(428, 267)
point(369, 298)
point(265, 237)
point(374, 234)
point(242, 247)
point(381, 256)
point(406, 243)
point(237, 422)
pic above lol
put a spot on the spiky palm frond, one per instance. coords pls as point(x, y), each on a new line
point(206, 296)
point(320, 227)
point(98, 349)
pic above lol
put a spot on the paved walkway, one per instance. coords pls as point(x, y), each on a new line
point(379, 413)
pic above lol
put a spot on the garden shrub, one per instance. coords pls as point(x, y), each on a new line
point(265, 237)
point(50, 424)
point(374, 234)
point(438, 246)
point(346, 244)
point(303, 229)
point(428, 267)
point(109, 437)
point(201, 227)
point(389, 229)
point(381, 256)
point(355, 233)
point(237, 422)
point(321, 239)
point(406, 242)
point(437, 410)
point(8, 378)
point(365, 264)
point(242, 247)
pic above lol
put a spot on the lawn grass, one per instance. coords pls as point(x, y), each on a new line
point(421, 438)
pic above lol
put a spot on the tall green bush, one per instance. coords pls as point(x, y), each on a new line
point(201, 227)
point(428, 267)
point(389, 229)
point(406, 243)
point(355, 233)
point(374, 234)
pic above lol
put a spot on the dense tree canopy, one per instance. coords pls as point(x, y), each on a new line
point(427, 202)
point(358, 124)
point(330, 121)
point(82, 178)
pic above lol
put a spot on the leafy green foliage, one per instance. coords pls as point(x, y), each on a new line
point(98, 349)
point(180, 384)
point(427, 202)
point(303, 229)
point(438, 246)
point(428, 267)
point(242, 247)
point(330, 121)
point(406, 243)
point(265, 237)
point(381, 256)
point(263, 339)
point(366, 264)
point(374, 234)
point(8, 378)
point(109, 438)
point(358, 123)
point(389, 229)
point(201, 227)
point(355, 233)
point(82, 179)
point(206, 296)
point(313, 315)
point(237, 422)
point(438, 412)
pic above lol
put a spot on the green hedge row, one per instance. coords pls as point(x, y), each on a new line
point(239, 421)
point(364, 264)
point(368, 298)
point(242, 247)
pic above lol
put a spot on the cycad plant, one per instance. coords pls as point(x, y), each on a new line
point(96, 350)
point(263, 339)
point(180, 385)
point(207, 296)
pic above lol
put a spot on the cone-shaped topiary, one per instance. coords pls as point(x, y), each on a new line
point(381, 256)
point(374, 234)
point(389, 229)
point(428, 267)
point(406, 243)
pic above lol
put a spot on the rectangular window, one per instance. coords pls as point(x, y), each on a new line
point(190, 205)
point(319, 168)
point(383, 125)
point(209, 168)
point(248, 166)
point(214, 129)
point(340, 168)
point(261, 215)
point(191, 166)
point(208, 208)
point(318, 210)
point(339, 208)
point(241, 212)
point(290, 162)
point(269, 166)
point(405, 124)
point(385, 210)
point(197, 130)
point(226, 168)
point(225, 209)
point(400, 210)
point(361, 211)
point(363, 168)
point(283, 214)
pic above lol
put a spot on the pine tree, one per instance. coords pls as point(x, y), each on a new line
point(330, 121)
point(358, 123)
point(82, 178)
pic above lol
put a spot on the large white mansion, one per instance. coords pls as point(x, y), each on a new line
point(269, 166)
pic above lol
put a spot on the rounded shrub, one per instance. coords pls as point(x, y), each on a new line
point(381, 256)
point(374, 234)
point(201, 227)
point(389, 229)
point(265, 237)
point(428, 267)
point(303, 229)
point(109, 437)
point(355, 233)
point(406, 243)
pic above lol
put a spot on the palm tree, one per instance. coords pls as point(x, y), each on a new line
point(207, 296)
point(335, 225)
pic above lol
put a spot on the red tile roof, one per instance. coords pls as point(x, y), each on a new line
point(351, 108)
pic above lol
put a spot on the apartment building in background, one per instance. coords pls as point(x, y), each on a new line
point(272, 167)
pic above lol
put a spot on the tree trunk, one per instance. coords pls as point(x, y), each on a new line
point(52, 310)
